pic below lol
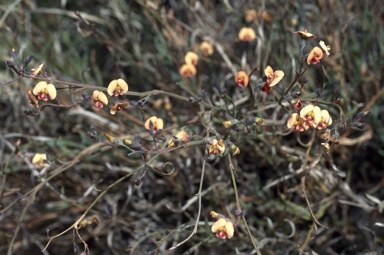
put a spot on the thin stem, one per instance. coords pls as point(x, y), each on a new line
point(298, 75)
point(314, 219)
point(18, 226)
point(251, 236)
point(252, 93)
point(199, 209)
point(309, 235)
point(304, 171)
point(232, 170)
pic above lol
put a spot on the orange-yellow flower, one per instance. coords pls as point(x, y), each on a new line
point(326, 48)
point(297, 123)
point(223, 228)
point(242, 79)
point(180, 137)
point(39, 160)
point(247, 34)
point(314, 56)
point(217, 146)
point(266, 16)
point(273, 77)
point(191, 58)
point(187, 70)
point(311, 114)
point(325, 120)
point(43, 90)
point(305, 34)
point(250, 15)
point(99, 98)
point(206, 48)
point(118, 107)
point(157, 124)
point(117, 87)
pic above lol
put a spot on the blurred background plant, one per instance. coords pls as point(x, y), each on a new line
point(144, 42)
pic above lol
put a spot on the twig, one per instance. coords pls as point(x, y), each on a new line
point(309, 235)
point(298, 75)
point(239, 214)
point(11, 7)
point(314, 219)
point(76, 224)
point(199, 209)
point(18, 226)
point(304, 172)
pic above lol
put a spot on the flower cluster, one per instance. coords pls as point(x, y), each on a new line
point(311, 116)
point(316, 54)
point(189, 68)
point(272, 78)
point(115, 88)
point(330, 138)
point(216, 146)
point(181, 137)
point(44, 91)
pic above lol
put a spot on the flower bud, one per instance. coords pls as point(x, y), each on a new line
point(235, 150)
point(109, 137)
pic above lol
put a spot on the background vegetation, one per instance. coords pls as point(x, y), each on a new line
point(144, 42)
